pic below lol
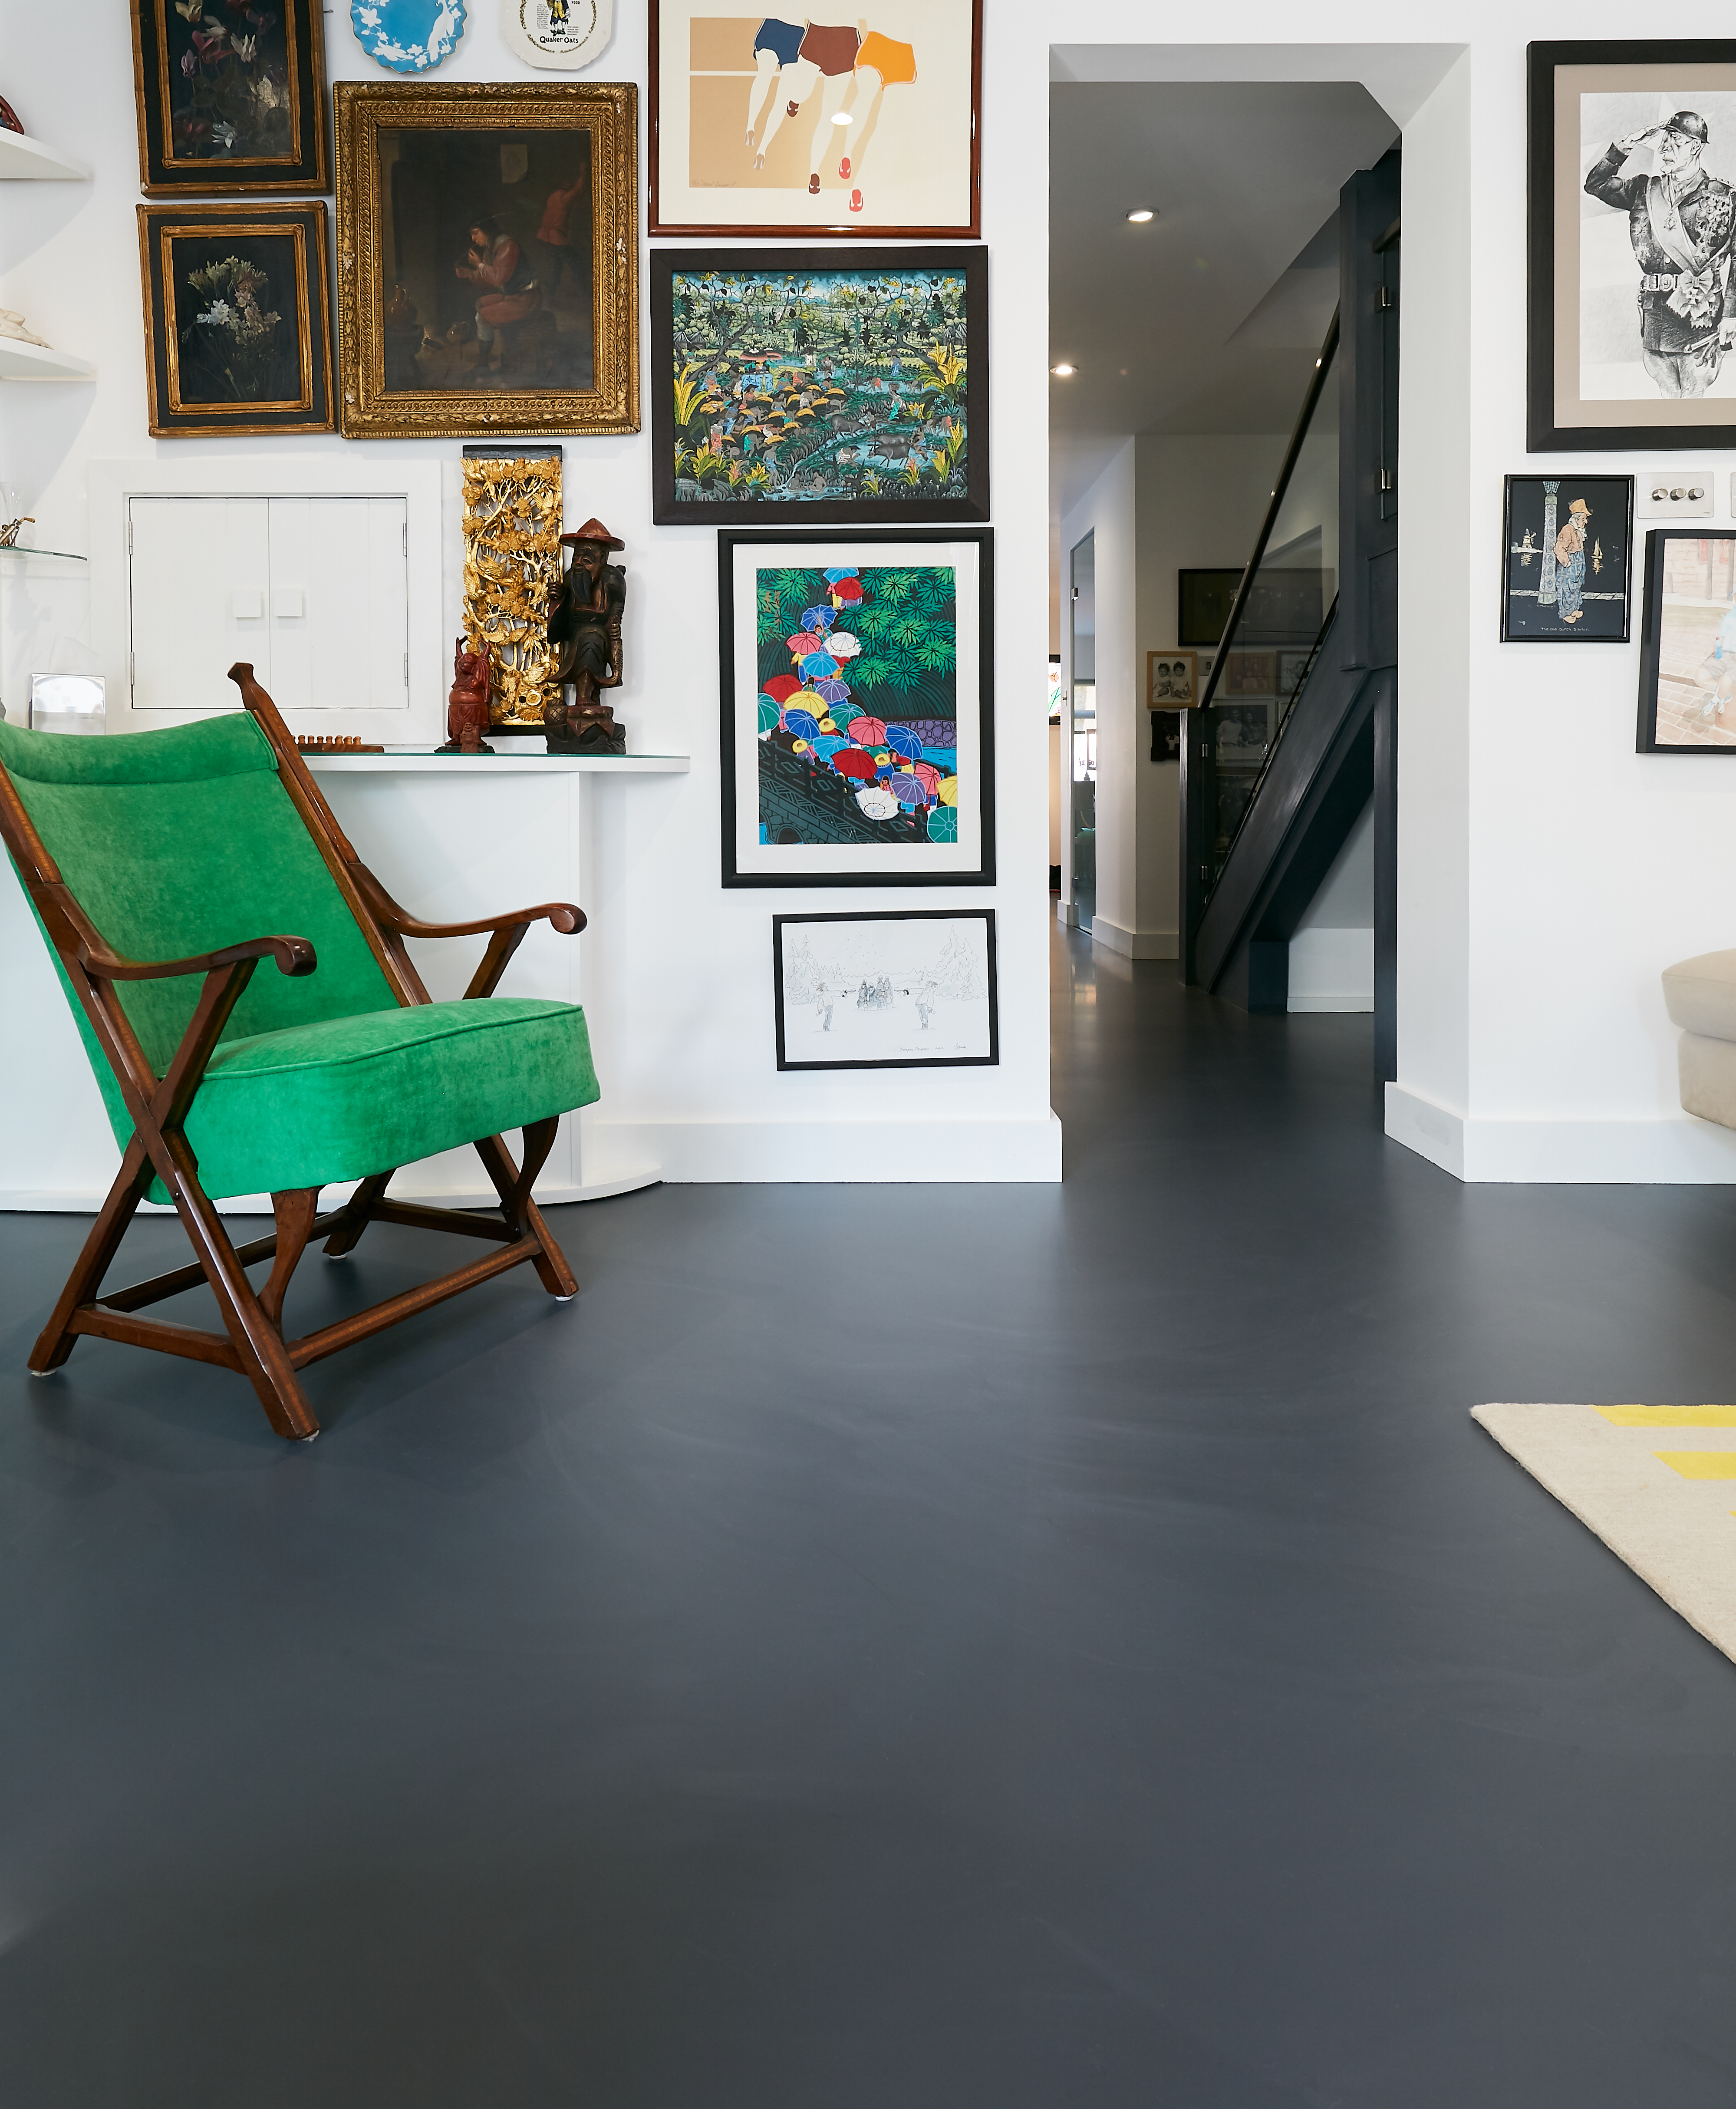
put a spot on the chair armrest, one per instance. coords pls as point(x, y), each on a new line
point(563, 915)
point(295, 956)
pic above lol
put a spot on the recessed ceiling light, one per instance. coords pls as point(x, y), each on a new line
point(1063, 372)
point(1140, 214)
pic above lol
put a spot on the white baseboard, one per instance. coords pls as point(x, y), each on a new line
point(1331, 970)
point(1135, 944)
point(969, 1151)
point(1682, 1152)
point(1067, 914)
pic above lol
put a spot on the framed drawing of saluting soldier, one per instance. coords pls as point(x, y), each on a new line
point(1632, 240)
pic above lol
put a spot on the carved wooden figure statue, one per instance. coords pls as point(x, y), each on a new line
point(467, 707)
point(585, 628)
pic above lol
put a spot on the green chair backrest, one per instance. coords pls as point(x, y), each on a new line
point(177, 842)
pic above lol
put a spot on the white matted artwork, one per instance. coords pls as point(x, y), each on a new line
point(906, 989)
point(776, 126)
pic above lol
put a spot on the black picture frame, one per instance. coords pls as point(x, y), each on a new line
point(191, 377)
point(1528, 504)
point(1669, 422)
point(874, 871)
point(186, 118)
point(1659, 654)
point(1202, 605)
point(671, 508)
point(983, 915)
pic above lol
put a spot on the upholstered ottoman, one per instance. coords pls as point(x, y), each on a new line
point(1700, 996)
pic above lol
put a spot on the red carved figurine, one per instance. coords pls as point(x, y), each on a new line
point(467, 707)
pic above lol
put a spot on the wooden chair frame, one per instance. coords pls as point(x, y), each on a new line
point(253, 1342)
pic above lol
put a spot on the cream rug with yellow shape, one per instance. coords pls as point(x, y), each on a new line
point(1657, 1483)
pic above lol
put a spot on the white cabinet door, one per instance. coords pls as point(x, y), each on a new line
point(200, 581)
point(339, 604)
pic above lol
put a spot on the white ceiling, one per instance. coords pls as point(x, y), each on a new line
point(1197, 321)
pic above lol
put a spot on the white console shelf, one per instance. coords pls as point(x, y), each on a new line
point(26, 160)
point(414, 761)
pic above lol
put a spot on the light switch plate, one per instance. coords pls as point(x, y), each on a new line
point(1686, 493)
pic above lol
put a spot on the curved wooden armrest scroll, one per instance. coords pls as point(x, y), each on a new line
point(563, 915)
point(294, 955)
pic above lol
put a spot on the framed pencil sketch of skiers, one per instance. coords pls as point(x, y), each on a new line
point(1688, 643)
point(775, 124)
point(901, 989)
point(1565, 548)
point(1632, 230)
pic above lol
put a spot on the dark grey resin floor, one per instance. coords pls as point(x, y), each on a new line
point(892, 1648)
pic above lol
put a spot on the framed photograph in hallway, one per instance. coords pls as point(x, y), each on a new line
point(1249, 674)
point(1566, 543)
point(1202, 605)
point(1631, 228)
point(769, 124)
point(1292, 666)
point(903, 989)
point(1171, 680)
point(856, 679)
point(1688, 643)
point(1243, 732)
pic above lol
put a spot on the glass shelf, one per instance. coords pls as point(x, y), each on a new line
point(13, 549)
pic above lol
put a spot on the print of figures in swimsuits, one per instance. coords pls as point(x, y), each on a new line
point(859, 704)
point(781, 122)
point(849, 388)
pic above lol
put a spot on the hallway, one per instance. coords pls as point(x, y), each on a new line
point(917, 1645)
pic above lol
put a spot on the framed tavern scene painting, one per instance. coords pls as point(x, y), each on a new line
point(903, 989)
point(237, 336)
point(1631, 221)
point(773, 124)
point(843, 383)
point(858, 744)
point(1565, 546)
point(1688, 643)
point(488, 258)
point(231, 98)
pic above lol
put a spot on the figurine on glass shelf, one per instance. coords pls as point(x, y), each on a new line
point(467, 707)
point(584, 627)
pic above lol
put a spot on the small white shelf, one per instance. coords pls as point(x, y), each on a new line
point(419, 760)
point(26, 160)
point(19, 361)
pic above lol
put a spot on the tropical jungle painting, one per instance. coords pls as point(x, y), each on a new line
point(848, 388)
point(858, 704)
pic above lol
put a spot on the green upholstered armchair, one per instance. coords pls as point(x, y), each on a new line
point(154, 862)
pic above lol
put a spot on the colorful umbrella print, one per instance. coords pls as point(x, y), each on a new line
point(781, 688)
point(802, 723)
point(853, 762)
point(818, 665)
point(841, 645)
point(769, 714)
point(833, 690)
point(907, 790)
point(928, 776)
point(801, 644)
point(947, 791)
point(903, 741)
point(943, 824)
point(842, 571)
point(817, 618)
point(846, 593)
point(829, 744)
point(867, 732)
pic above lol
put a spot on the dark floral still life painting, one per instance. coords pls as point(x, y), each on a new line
point(230, 70)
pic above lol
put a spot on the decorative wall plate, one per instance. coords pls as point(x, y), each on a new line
point(561, 34)
point(409, 36)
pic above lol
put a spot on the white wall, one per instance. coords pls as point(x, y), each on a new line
point(1105, 512)
point(1332, 955)
point(683, 967)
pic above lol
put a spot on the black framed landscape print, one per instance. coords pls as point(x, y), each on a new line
point(1632, 218)
point(1566, 543)
point(902, 989)
point(1688, 643)
point(842, 384)
point(858, 723)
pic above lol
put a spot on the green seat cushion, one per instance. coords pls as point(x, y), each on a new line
point(344, 1097)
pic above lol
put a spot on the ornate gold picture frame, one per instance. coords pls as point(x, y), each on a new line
point(237, 328)
point(488, 258)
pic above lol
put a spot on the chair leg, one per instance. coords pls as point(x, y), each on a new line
point(258, 1344)
point(129, 1189)
point(355, 1218)
point(513, 1183)
point(294, 1211)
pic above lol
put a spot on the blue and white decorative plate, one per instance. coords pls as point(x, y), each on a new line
point(409, 36)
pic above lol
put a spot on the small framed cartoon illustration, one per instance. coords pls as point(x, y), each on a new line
point(1565, 545)
point(1171, 680)
point(780, 126)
